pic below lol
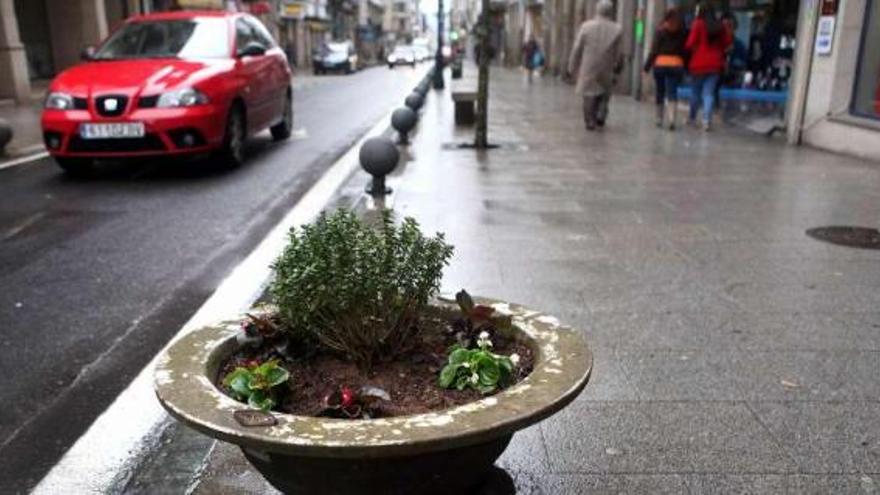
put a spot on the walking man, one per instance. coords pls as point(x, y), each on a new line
point(596, 59)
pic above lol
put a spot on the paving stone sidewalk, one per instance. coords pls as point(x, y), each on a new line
point(733, 353)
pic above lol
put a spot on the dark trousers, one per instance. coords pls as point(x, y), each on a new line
point(667, 81)
point(596, 110)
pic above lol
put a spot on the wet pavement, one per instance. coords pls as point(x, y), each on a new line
point(734, 354)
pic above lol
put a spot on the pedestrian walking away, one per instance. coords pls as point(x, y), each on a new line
point(596, 59)
point(667, 59)
point(533, 57)
point(707, 44)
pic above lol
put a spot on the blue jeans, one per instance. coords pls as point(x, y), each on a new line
point(703, 91)
point(667, 80)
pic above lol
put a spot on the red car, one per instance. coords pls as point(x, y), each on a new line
point(175, 83)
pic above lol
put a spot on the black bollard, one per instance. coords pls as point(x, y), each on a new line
point(403, 120)
point(5, 134)
point(378, 158)
point(414, 101)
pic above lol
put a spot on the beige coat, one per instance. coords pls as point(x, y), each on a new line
point(596, 55)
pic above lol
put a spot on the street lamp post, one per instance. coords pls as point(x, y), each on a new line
point(438, 62)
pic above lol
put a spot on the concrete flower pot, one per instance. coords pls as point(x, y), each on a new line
point(447, 451)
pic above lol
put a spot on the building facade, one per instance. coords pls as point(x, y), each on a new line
point(835, 99)
point(402, 23)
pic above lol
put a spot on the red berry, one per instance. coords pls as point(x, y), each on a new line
point(347, 397)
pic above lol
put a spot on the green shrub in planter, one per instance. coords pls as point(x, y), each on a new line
point(355, 289)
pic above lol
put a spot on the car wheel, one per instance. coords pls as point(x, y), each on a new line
point(348, 68)
point(75, 167)
point(232, 152)
point(283, 129)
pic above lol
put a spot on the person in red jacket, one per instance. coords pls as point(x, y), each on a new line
point(707, 44)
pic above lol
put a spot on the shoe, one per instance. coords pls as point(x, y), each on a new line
point(600, 123)
point(591, 126)
point(658, 115)
point(707, 127)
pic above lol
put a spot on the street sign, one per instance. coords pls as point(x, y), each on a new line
point(825, 35)
point(293, 10)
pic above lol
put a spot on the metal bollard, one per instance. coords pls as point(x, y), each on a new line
point(5, 134)
point(379, 157)
point(414, 101)
point(403, 120)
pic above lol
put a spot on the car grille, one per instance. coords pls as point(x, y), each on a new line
point(80, 103)
point(149, 142)
point(101, 102)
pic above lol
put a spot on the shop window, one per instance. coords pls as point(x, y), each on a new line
point(866, 96)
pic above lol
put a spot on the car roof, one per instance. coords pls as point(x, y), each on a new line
point(182, 14)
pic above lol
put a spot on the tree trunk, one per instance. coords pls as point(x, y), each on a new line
point(481, 139)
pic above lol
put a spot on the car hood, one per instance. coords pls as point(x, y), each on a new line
point(336, 57)
point(129, 77)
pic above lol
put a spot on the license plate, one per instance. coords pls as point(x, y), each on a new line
point(112, 130)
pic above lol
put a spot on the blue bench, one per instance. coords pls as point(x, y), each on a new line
point(684, 93)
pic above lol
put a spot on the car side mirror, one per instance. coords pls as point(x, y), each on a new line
point(87, 53)
point(252, 49)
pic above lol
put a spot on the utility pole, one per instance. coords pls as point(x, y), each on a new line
point(438, 63)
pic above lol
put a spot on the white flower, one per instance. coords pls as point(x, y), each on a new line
point(514, 358)
point(466, 365)
point(483, 340)
point(475, 378)
point(483, 335)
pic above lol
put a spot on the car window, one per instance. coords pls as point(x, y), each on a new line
point(261, 34)
point(244, 35)
point(185, 38)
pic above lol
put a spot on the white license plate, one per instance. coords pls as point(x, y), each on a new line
point(112, 130)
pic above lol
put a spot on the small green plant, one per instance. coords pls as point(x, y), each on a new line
point(479, 368)
point(255, 383)
point(355, 289)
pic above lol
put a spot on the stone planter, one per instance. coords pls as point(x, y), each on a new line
point(447, 451)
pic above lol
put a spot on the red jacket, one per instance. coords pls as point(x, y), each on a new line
point(706, 57)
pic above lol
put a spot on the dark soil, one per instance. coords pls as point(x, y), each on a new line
point(410, 381)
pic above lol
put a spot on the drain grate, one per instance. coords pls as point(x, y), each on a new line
point(842, 235)
point(492, 146)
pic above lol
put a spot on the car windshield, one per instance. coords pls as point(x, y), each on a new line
point(337, 47)
point(178, 38)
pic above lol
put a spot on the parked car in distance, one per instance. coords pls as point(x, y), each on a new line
point(174, 83)
point(336, 56)
point(401, 55)
point(422, 53)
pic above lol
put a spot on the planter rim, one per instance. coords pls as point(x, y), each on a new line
point(562, 368)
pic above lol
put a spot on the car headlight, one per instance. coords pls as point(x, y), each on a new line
point(185, 97)
point(58, 101)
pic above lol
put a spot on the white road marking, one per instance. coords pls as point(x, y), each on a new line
point(27, 222)
point(101, 457)
point(23, 160)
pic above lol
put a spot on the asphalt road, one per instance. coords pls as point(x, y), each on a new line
point(96, 275)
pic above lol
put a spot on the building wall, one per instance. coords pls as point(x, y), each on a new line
point(74, 25)
point(826, 121)
point(14, 79)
